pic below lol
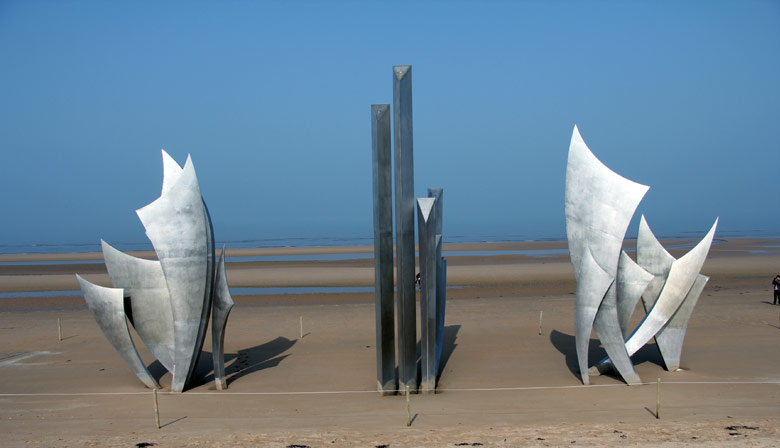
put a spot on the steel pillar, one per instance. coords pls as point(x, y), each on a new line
point(383, 248)
point(428, 243)
point(441, 274)
point(404, 225)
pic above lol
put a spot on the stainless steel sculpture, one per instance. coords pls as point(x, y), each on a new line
point(171, 298)
point(670, 339)
point(678, 282)
point(599, 206)
point(429, 246)
point(223, 303)
point(404, 225)
point(441, 274)
point(107, 305)
point(144, 283)
point(433, 268)
point(383, 248)
point(179, 228)
point(632, 280)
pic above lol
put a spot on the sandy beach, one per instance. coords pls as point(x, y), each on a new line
point(502, 383)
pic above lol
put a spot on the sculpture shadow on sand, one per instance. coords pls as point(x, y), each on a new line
point(238, 364)
point(448, 346)
point(565, 344)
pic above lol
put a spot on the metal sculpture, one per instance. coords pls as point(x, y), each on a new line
point(107, 305)
point(599, 206)
point(150, 310)
point(179, 228)
point(383, 247)
point(223, 303)
point(632, 280)
point(431, 312)
point(670, 299)
point(433, 266)
point(404, 225)
point(170, 299)
point(441, 274)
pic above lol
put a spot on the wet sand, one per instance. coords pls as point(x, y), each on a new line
point(502, 384)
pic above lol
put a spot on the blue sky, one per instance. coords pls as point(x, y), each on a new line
point(272, 100)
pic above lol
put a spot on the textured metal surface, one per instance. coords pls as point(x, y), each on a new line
point(681, 277)
point(441, 307)
point(607, 327)
point(683, 273)
point(383, 247)
point(404, 225)
point(670, 339)
point(107, 305)
point(441, 273)
point(652, 256)
point(143, 281)
point(222, 305)
point(631, 283)
point(599, 205)
point(171, 172)
point(179, 228)
point(428, 242)
point(592, 285)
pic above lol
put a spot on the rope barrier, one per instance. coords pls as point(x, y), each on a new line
point(345, 392)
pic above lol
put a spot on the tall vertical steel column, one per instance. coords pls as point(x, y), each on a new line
point(383, 247)
point(441, 273)
point(429, 241)
point(404, 225)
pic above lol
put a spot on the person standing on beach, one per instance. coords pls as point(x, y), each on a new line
point(776, 284)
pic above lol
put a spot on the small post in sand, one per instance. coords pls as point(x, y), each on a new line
point(301, 327)
point(540, 322)
point(59, 329)
point(156, 409)
point(408, 412)
point(658, 400)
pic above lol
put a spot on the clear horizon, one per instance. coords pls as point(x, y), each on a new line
point(272, 101)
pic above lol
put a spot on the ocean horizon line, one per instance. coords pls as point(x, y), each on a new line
point(331, 241)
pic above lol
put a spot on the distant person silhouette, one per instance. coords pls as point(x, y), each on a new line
point(776, 284)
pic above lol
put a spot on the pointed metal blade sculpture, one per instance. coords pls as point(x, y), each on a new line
point(682, 276)
point(670, 339)
point(599, 206)
point(592, 285)
point(170, 299)
point(632, 280)
point(107, 305)
point(177, 225)
point(223, 303)
point(143, 281)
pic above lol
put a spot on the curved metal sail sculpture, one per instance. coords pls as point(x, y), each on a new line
point(171, 298)
point(599, 207)
point(107, 305)
point(670, 299)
